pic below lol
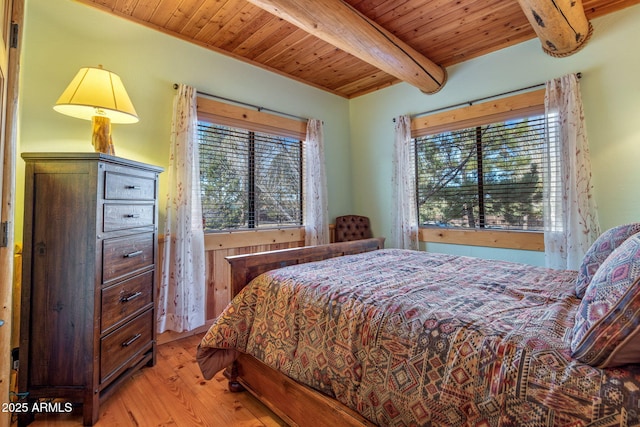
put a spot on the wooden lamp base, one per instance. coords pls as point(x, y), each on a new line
point(101, 140)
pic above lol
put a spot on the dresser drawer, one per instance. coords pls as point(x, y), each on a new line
point(120, 186)
point(117, 348)
point(123, 216)
point(124, 299)
point(126, 255)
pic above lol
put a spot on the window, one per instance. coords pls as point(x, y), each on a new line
point(250, 173)
point(485, 176)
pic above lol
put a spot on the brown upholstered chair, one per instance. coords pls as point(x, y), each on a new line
point(352, 227)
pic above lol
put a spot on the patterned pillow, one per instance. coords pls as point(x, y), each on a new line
point(600, 250)
point(607, 328)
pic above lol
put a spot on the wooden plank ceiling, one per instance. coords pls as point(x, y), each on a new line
point(445, 31)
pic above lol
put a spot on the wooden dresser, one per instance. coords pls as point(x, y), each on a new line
point(89, 261)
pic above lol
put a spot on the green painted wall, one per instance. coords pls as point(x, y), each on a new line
point(610, 65)
point(61, 36)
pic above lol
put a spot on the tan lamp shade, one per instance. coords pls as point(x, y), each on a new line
point(98, 95)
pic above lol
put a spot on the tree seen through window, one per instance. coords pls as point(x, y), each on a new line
point(248, 179)
point(482, 177)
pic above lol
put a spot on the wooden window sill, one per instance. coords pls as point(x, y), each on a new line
point(524, 240)
point(239, 239)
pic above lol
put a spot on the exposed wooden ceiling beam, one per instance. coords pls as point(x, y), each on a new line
point(561, 26)
point(339, 24)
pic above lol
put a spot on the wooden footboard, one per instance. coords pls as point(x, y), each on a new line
point(247, 267)
point(295, 403)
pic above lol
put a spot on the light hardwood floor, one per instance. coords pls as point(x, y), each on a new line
point(173, 393)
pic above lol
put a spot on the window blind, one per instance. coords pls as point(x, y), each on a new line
point(249, 179)
point(488, 176)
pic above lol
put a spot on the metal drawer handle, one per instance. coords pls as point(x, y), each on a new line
point(132, 187)
point(132, 340)
point(132, 215)
point(133, 254)
point(130, 297)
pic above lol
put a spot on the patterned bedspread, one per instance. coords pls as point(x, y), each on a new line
point(412, 338)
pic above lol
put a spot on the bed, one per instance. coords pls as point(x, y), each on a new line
point(354, 334)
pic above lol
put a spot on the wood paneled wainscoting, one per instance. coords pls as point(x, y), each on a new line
point(218, 273)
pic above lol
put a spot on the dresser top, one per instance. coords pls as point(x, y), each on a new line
point(52, 156)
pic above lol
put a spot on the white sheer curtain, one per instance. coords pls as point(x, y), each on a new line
point(404, 233)
point(570, 215)
point(181, 300)
point(316, 216)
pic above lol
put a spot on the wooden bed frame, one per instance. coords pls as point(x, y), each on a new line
point(295, 403)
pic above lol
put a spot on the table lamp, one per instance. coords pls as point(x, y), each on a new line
point(98, 95)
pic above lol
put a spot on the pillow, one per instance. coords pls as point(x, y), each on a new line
point(600, 250)
point(607, 328)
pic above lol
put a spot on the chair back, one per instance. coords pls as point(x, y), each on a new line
point(352, 227)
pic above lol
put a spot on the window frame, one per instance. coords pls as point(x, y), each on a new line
point(254, 121)
point(512, 107)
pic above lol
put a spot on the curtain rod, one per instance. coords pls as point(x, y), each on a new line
point(473, 101)
point(245, 104)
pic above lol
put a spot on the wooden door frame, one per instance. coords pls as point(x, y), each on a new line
point(8, 153)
